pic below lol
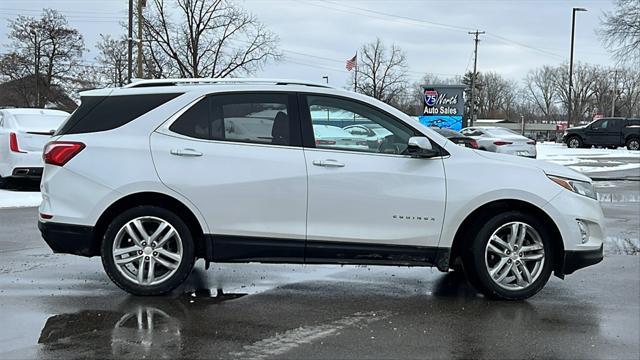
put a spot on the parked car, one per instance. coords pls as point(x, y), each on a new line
point(373, 133)
point(456, 137)
point(23, 134)
point(501, 140)
point(333, 136)
point(146, 177)
point(607, 132)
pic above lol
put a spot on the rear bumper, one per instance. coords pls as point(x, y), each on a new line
point(69, 239)
point(574, 260)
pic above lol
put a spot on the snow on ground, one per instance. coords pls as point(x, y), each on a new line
point(13, 199)
point(590, 161)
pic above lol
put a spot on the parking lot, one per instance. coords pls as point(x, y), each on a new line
point(62, 306)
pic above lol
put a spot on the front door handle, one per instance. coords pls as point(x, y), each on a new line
point(328, 163)
point(185, 152)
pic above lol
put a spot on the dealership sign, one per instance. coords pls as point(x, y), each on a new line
point(443, 106)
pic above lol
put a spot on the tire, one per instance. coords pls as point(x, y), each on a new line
point(633, 144)
point(171, 258)
point(479, 259)
point(574, 142)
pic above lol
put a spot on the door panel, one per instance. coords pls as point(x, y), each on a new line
point(369, 197)
point(242, 189)
point(379, 199)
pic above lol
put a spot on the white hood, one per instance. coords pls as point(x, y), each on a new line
point(548, 167)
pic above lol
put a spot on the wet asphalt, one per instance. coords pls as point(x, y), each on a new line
point(62, 306)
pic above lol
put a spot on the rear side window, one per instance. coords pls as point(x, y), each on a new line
point(252, 118)
point(101, 113)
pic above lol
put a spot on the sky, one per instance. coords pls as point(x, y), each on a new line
point(318, 36)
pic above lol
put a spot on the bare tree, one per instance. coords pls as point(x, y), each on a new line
point(48, 47)
point(112, 60)
point(620, 31)
point(382, 72)
point(210, 38)
point(629, 103)
point(541, 90)
point(581, 96)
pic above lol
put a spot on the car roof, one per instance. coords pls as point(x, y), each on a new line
point(160, 86)
point(33, 111)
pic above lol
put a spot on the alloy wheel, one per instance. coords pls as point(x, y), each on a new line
point(147, 250)
point(514, 256)
point(574, 143)
point(634, 144)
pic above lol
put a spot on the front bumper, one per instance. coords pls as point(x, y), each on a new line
point(574, 260)
point(69, 239)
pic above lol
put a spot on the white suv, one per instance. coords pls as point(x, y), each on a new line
point(159, 173)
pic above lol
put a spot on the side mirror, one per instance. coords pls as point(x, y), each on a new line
point(420, 146)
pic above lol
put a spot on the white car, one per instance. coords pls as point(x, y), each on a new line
point(373, 133)
point(149, 178)
point(334, 137)
point(23, 134)
point(501, 140)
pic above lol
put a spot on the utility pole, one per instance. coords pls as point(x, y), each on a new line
point(139, 67)
point(573, 30)
point(130, 44)
point(473, 77)
point(615, 93)
point(37, 63)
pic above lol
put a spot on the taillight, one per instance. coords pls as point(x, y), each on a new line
point(325, 142)
point(531, 142)
point(13, 143)
point(60, 152)
point(473, 143)
point(500, 143)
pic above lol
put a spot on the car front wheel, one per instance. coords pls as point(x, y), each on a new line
point(148, 250)
point(574, 142)
point(511, 257)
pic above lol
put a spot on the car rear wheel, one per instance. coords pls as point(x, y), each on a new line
point(633, 144)
point(511, 257)
point(574, 142)
point(148, 250)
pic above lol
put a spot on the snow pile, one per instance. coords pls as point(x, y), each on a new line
point(590, 161)
point(13, 199)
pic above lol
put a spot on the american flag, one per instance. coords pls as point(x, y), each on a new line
point(351, 63)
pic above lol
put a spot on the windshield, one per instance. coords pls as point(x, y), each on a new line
point(39, 122)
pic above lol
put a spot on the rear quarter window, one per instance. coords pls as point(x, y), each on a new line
point(102, 113)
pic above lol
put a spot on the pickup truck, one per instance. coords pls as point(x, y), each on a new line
point(605, 132)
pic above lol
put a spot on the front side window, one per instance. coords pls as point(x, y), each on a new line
point(602, 124)
point(253, 118)
point(347, 125)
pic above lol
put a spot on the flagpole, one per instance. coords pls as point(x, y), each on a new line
point(355, 75)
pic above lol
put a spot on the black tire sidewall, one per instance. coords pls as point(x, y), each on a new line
point(476, 257)
point(188, 248)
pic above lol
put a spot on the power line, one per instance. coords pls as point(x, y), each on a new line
point(422, 21)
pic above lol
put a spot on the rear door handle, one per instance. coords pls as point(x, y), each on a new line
point(328, 163)
point(185, 152)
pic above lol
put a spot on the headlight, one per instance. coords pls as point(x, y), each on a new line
point(578, 187)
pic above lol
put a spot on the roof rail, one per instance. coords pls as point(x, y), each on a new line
point(221, 81)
